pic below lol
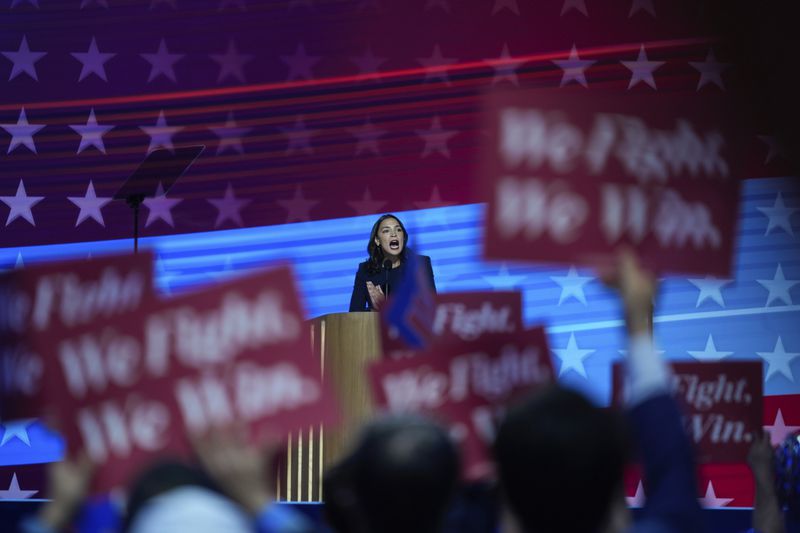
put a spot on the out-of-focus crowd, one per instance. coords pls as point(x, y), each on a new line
point(403, 475)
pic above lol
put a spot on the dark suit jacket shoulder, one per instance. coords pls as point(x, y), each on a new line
point(359, 300)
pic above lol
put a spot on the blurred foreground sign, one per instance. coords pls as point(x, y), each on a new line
point(467, 385)
point(722, 406)
point(133, 387)
point(571, 176)
point(409, 311)
point(48, 300)
point(462, 316)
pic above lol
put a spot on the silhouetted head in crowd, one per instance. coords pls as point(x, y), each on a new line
point(554, 450)
point(399, 478)
point(178, 497)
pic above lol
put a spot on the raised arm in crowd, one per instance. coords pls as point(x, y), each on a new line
point(561, 459)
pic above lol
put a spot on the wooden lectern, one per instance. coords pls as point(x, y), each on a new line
point(344, 342)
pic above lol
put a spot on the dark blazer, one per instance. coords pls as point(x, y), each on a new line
point(359, 301)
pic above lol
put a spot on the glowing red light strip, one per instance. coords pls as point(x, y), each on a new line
point(355, 78)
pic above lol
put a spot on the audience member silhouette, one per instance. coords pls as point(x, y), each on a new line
point(400, 477)
point(561, 459)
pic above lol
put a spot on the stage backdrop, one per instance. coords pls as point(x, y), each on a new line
point(315, 110)
point(751, 317)
point(309, 109)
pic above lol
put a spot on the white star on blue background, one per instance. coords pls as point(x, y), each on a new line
point(503, 280)
point(710, 288)
point(572, 357)
point(18, 429)
point(710, 352)
point(779, 216)
point(572, 286)
point(778, 287)
point(779, 361)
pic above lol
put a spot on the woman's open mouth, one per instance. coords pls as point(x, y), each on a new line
point(394, 244)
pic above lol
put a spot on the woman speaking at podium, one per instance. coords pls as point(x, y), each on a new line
point(382, 272)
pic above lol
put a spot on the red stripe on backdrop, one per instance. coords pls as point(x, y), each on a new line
point(483, 64)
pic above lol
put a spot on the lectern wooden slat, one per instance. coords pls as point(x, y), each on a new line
point(344, 342)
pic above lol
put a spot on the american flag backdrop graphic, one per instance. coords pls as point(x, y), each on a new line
point(316, 111)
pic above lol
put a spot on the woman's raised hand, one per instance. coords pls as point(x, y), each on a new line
point(376, 296)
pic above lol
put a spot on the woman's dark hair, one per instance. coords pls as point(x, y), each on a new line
point(375, 261)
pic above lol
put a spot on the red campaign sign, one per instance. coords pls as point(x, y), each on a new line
point(463, 317)
point(52, 298)
point(569, 178)
point(134, 387)
point(722, 406)
point(467, 386)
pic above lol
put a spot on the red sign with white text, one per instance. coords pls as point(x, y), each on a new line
point(569, 178)
point(464, 317)
point(50, 299)
point(722, 406)
point(134, 387)
point(466, 385)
